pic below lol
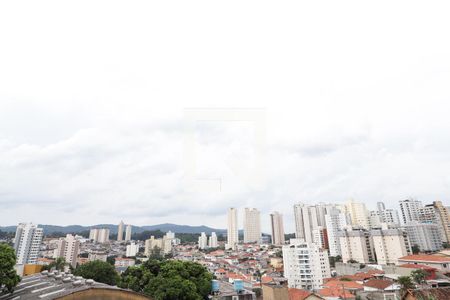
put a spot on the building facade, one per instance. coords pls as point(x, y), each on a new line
point(276, 224)
point(305, 265)
point(68, 248)
point(252, 226)
point(232, 229)
point(27, 243)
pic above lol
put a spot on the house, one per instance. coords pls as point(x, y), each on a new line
point(335, 293)
point(380, 285)
point(300, 294)
point(435, 294)
point(441, 263)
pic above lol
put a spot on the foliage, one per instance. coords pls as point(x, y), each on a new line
point(8, 276)
point(98, 270)
point(419, 276)
point(156, 253)
point(352, 261)
point(258, 292)
point(111, 260)
point(334, 259)
point(58, 264)
point(345, 279)
point(405, 283)
point(445, 245)
point(415, 249)
point(168, 280)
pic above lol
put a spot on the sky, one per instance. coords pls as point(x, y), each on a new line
point(174, 111)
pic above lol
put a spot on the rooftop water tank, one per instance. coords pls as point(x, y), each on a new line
point(238, 285)
point(215, 286)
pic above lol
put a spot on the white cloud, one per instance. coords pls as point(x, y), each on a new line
point(93, 94)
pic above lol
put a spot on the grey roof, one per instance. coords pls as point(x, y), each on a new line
point(51, 286)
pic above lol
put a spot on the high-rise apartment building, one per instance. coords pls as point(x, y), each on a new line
point(356, 245)
point(27, 243)
point(307, 218)
point(335, 222)
point(232, 229)
point(305, 265)
point(99, 235)
point(163, 244)
point(390, 244)
point(128, 233)
point(426, 236)
point(381, 206)
point(68, 248)
point(443, 214)
point(132, 250)
point(252, 226)
point(212, 242)
point(358, 213)
point(120, 231)
point(202, 241)
point(409, 210)
point(276, 224)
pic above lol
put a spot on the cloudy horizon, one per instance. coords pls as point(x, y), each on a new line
point(152, 113)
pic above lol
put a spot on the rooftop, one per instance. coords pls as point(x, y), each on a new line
point(426, 258)
point(54, 285)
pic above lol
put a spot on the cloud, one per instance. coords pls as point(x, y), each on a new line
point(92, 112)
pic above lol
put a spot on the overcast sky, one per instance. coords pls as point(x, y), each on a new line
point(174, 111)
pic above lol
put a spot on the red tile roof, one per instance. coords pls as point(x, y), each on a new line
point(298, 294)
point(379, 284)
point(348, 285)
point(426, 258)
point(336, 292)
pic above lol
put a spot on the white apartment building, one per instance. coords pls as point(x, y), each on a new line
point(276, 224)
point(390, 245)
point(252, 226)
point(430, 214)
point(120, 231)
point(99, 235)
point(132, 250)
point(213, 243)
point(358, 213)
point(335, 221)
point(305, 265)
point(202, 241)
point(443, 214)
point(128, 233)
point(307, 218)
point(425, 235)
point(320, 237)
point(27, 243)
point(390, 217)
point(232, 229)
point(356, 245)
point(375, 219)
point(68, 248)
point(409, 210)
point(165, 244)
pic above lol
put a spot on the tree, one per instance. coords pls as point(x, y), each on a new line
point(58, 264)
point(8, 276)
point(419, 276)
point(415, 249)
point(168, 280)
point(352, 261)
point(405, 283)
point(99, 271)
